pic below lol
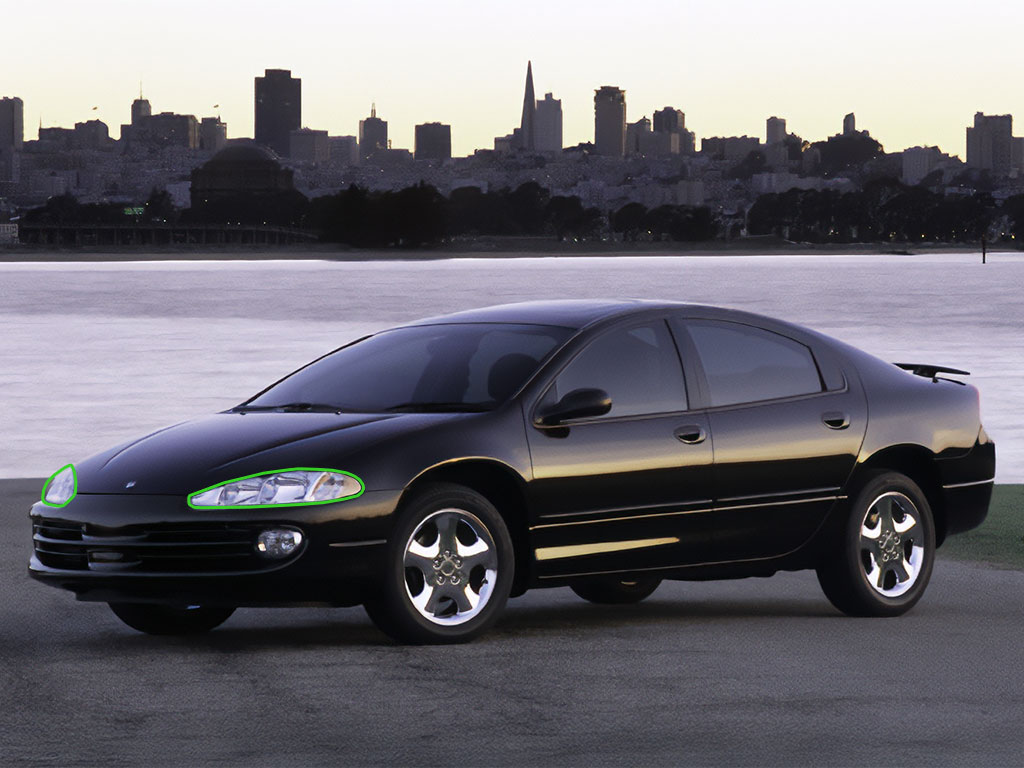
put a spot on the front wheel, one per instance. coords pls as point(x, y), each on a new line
point(170, 620)
point(884, 559)
point(449, 568)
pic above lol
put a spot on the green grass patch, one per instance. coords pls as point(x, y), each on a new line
point(1000, 539)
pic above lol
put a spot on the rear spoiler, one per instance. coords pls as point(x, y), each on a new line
point(931, 371)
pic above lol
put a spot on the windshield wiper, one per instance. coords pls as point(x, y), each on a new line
point(451, 407)
point(292, 408)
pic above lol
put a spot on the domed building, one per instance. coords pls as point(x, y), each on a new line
point(245, 184)
point(239, 169)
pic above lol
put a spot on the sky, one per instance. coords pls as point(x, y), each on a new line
point(914, 72)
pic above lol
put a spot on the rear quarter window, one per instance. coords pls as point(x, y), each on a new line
point(744, 364)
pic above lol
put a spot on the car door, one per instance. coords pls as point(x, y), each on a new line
point(786, 435)
point(614, 492)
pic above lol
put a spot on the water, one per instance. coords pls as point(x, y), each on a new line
point(92, 354)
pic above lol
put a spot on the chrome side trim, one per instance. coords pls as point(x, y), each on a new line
point(688, 512)
point(620, 519)
point(669, 509)
point(581, 550)
point(779, 503)
point(778, 495)
point(968, 485)
point(368, 543)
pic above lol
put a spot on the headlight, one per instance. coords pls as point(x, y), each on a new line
point(287, 487)
point(61, 487)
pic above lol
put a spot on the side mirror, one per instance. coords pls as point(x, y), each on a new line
point(578, 404)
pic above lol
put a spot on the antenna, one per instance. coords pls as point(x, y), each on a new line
point(140, 90)
point(373, 109)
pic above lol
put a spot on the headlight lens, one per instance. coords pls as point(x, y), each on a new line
point(61, 487)
point(288, 487)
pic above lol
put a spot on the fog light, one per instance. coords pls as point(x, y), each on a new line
point(278, 543)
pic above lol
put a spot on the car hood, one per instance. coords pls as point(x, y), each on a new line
point(195, 454)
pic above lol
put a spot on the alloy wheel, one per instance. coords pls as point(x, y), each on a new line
point(451, 567)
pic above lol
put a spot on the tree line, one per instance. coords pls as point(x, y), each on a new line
point(420, 216)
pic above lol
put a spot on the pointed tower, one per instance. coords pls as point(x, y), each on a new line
point(527, 132)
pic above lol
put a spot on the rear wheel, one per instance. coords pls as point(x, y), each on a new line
point(170, 620)
point(884, 559)
point(608, 590)
point(449, 568)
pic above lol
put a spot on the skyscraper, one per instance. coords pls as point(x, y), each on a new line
point(12, 123)
point(610, 121)
point(548, 125)
point(433, 141)
point(775, 131)
point(990, 143)
point(141, 108)
point(213, 134)
point(278, 108)
point(849, 124)
point(636, 136)
point(373, 134)
point(669, 120)
point(12, 136)
point(527, 127)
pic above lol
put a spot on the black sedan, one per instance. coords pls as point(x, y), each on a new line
point(431, 471)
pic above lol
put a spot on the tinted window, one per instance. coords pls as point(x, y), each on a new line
point(468, 366)
point(638, 367)
point(745, 364)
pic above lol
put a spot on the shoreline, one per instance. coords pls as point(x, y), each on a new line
point(499, 248)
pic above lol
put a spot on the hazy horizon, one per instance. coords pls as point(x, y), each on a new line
point(912, 73)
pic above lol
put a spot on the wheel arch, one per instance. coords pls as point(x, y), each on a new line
point(503, 487)
point(919, 464)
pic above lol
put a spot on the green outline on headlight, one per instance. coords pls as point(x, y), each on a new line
point(74, 489)
point(362, 487)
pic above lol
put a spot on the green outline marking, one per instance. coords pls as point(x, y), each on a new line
point(362, 487)
point(74, 489)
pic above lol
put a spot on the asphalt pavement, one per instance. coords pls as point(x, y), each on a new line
point(753, 672)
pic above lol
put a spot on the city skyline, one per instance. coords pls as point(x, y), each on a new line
point(902, 71)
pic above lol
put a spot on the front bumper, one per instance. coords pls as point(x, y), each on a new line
point(136, 548)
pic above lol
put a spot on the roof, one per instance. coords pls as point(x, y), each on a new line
point(569, 313)
point(243, 154)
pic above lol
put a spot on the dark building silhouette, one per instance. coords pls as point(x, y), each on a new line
point(236, 169)
point(12, 137)
point(548, 125)
point(373, 134)
point(433, 142)
point(213, 134)
point(92, 134)
point(610, 121)
point(141, 109)
point(278, 109)
point(309, 146)
point(990, 143)
point(245, 184)
point(850, 125)
point(527, 138)
point(669, 120)
point(166, 129)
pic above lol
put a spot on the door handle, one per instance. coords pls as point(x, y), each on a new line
point(691, 434)
point(835, 420)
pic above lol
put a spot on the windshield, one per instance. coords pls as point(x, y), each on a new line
point(458, 367)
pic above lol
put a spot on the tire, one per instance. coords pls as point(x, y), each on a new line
point(882, 563)
point(170, 620)
point(608, 590)
point(449, 568)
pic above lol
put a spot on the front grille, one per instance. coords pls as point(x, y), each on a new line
point(167, 548)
